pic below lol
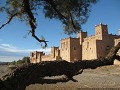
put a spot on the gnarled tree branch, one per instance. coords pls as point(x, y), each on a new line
point(32, 20)
point(72, 21)
point(117, 57)
point(112, 54)
point(52, 4)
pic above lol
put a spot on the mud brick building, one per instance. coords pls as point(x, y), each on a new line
point(83, 47)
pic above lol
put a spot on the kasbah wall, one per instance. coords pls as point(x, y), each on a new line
point(81, 48)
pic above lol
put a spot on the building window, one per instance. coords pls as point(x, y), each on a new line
point(66, 44)
point(74, 48)
point(108, 46)
point(32, 54)
point(36, 55)
point(62, 45)
point(87, 44)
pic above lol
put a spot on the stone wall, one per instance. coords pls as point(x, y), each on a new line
point(36, 57)
point(89, 50)
point(65, 49)
point(70, 49)
point(75, 50)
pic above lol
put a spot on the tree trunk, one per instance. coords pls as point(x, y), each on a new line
point(112, 54)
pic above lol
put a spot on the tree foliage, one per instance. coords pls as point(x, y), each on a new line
point(72, 13)
point(22, 61)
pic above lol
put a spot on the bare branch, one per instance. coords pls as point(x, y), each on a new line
point(9, 20)
point(40, 40)
point(32, 20)
point(33, 33)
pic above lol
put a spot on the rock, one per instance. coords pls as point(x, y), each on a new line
point(116, 62)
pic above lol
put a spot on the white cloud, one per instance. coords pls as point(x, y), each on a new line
point(9, 52)
point(11, 48)
point(9, 58)
point(7, 47)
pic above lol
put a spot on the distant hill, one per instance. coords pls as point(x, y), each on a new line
point(4, 63)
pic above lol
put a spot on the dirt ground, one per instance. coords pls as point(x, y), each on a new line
point(101, 77)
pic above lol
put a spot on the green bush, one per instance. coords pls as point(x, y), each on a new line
point(13, 63)
point(24, 60)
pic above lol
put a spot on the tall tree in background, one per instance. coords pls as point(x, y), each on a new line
point(72, 13)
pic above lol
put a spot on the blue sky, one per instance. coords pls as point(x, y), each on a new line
point(16, 43)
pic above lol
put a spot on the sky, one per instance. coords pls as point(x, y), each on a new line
point(15, 43)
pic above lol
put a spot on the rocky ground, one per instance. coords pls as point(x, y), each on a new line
point(4, 69)
point(101, 77)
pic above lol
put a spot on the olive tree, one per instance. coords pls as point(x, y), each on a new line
point(72, 13)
